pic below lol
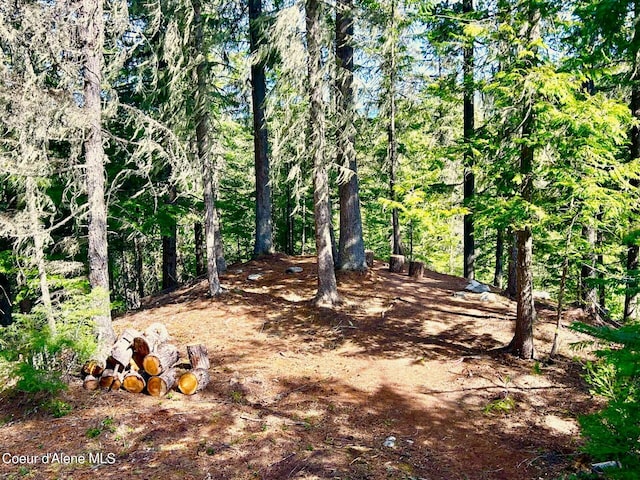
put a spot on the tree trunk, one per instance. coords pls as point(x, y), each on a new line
point(633, 251)
point(468, 132)
point(351, 244)
point(392, 148)
point(522, 342)
point(498, 273)
point(589, 293)
point(139, 268)
point(221, 263)
point(170, 260)
point(6, 317)
point(327, 294)
point(264, 229)
point(203, 148)
point(92, 41)
point(512, 280)
point(201, 267)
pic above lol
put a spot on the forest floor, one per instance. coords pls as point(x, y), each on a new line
point(305, 393)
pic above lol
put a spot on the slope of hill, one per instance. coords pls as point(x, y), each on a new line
point(307, 393)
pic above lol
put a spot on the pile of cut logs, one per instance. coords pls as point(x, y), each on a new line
point(147, 360)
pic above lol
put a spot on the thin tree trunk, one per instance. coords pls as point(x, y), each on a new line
point(327, 294)
point(499, 270)
point(512, 280)
point(522, 342)
point(6, 314)
point(139, 268)
point(203, 149)
point(392, 153)
point(264, 228)
point(633, 251)
point(468, 133)
point(602, 293)
point(290, 234)
point(351, 244)
point(221, 263)
point(92, 41)
point(589, 292)
point(198, 233)
point(170, 251)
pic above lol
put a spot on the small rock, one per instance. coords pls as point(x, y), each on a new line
point(460, 294)
point(541, 295)
point(390, 442)
point(239, 270)
point(294, 270)
point(254, 277)
point(487, 297)
point(477, 287)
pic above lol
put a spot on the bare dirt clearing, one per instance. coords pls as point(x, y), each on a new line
point(300, 392)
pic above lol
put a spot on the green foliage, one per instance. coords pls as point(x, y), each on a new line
point(57, 408)
point(37, 360)
point(614, 432)
point(504, 405)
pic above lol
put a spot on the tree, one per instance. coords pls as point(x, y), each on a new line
point(468, 130)
point(92, 41)
point(327, 294)
point(351, 244)
point(211, 223)
point(264, 228)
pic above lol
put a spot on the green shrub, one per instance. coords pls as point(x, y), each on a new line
point(35, 360)
point(614, 432)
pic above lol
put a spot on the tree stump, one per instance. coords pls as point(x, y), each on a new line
point(198, 356)
point(165, 357)
point(134, 382)
point(160, 385)
point(416, 269)
point(368, 255)
point(194, 381)
point(396, 263)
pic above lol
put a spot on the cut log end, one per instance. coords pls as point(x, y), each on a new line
point(194, 381)
point(134, 382)
point(159, 386)
point(91, 383)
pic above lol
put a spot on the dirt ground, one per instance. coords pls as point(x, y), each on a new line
point(305, 393)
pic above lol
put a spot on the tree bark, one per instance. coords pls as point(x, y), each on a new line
point(522, 343)
point(92, 41)
point(351, 244)
point(392, 148)
point(203, 149)
point(468, 132)
point(512, 280)
point(589, 293)
point(327, 294)
point(201, 267)
point(498, 273)
point(139, 268)
point(633, 250)
point(6, 317)
point(264, 228)
point(170, 250)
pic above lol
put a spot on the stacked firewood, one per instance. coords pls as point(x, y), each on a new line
point(147, 361)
